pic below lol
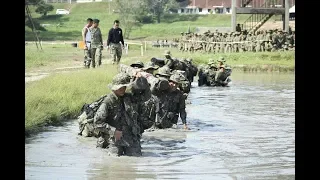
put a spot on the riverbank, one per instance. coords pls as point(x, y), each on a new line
point(60, 96)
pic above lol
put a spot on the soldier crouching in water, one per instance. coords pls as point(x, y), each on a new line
point(118, 110)
point(170, 103)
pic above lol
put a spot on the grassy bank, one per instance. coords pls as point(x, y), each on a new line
point(59, 96)
point(65, 55)
point(50, 100)
point(68, 27)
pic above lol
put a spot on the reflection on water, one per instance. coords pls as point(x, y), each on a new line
point(245, 131)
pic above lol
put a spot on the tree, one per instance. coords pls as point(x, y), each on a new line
point(129, 14)
point(158, 7)
point(44, 8)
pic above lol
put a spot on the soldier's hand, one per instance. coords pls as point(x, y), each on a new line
point(117, 134)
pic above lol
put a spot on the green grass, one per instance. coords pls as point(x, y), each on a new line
point(66, 55)
point(70, 26)
point(50, 55)
point(60, 96)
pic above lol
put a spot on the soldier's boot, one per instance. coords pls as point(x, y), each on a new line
point(88, 62)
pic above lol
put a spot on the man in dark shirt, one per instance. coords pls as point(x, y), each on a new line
point(115, 42)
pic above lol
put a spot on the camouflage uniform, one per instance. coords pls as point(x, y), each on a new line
point(96, 45)
point(122, 113)
point(169, 105)
point(221, 78)
point(177, 103)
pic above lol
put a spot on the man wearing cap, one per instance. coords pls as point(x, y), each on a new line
point(177, 104)
point(86, 38)
point(221, 61)
point(169, 61)
point(96, 43)
point(221, 77)
point(115, 41)
point(118, 110)
point(192, 69)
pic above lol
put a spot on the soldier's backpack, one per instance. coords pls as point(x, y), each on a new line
point(87, 113)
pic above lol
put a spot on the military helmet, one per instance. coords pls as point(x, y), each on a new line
point(189, 59)
point(221, 59)
point(119, 80)
point(164, 71)
point(137, 64)
point(175, 78)
point(167, 52)
point(211, 61)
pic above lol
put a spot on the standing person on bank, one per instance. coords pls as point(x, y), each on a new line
point(115, 42)
point(86, 38)
point(96, 43)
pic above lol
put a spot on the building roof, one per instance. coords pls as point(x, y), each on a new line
point(226, 3)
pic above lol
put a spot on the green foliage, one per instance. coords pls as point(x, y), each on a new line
point(44, 8)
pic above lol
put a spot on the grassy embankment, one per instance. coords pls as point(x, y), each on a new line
point(71, 25)
point(59, 96)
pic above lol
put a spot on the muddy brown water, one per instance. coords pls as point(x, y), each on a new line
point(245, 131)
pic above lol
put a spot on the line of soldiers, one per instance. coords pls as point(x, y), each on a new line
point(164, 43)
point(218, 42)
point(140, 100)
point(215, 73)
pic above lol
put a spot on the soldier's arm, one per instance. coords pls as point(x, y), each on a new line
point(101, 37)
point(109, 37)
point(121, 37)
point(182, 109)
point(84, 32)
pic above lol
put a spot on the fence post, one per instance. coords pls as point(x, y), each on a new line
point(141, 50)
point(127, 48)
point(145, 45)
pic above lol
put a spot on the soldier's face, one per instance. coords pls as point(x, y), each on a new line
point(120, 91)
point(95, 25)
point(116, 25)
point(173, 86)
point(90, 23)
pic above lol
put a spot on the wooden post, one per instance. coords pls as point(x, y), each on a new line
point(145, 45)
point(233, 15)
point(141, 50)
point(127, 48)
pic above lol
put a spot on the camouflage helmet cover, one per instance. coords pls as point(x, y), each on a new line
point(164, 71)
point(137, 64)
point(167, 52)
point(119, 80)
point(175, 78)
